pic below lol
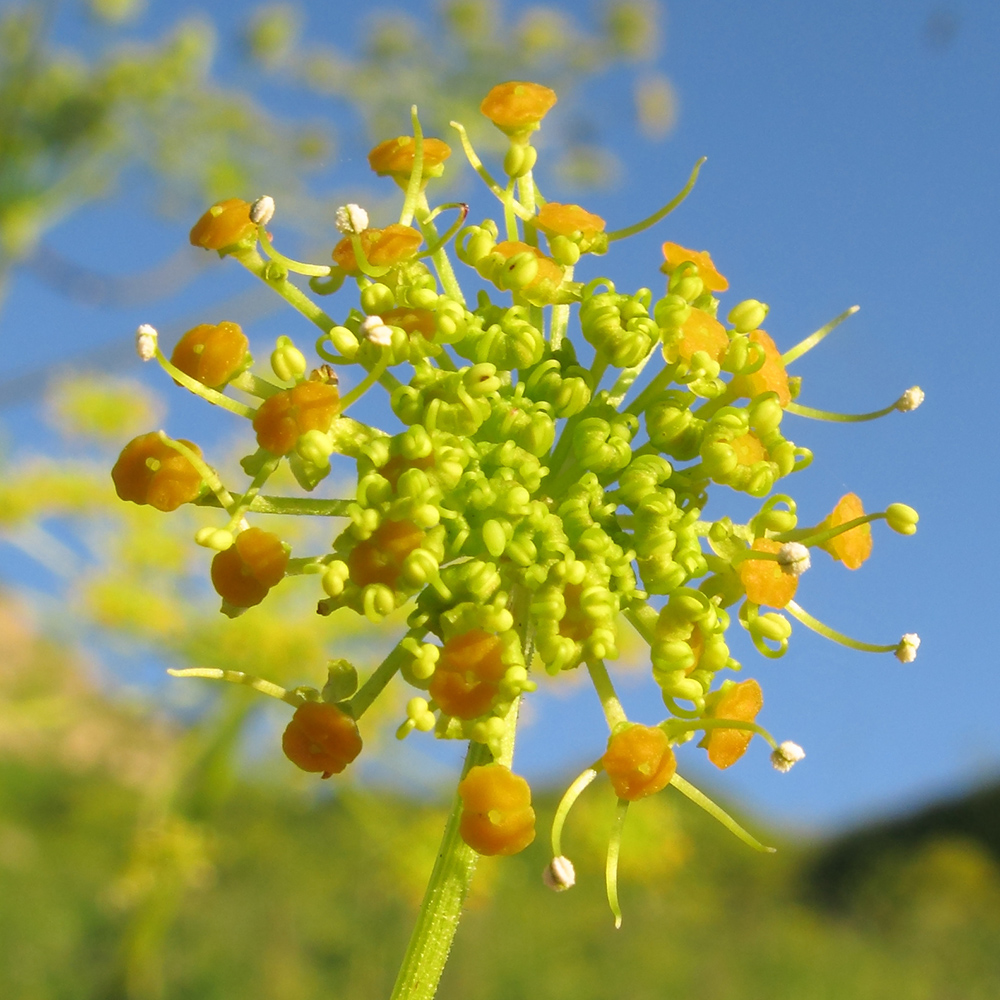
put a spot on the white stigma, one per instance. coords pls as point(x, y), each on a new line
point(145, 342)
point(910, 399)
point(560, 875)
point(376, 331)
point(906, 651)
point(262, 210)
point(793, 558)
point(351, 219)
point(786, 756)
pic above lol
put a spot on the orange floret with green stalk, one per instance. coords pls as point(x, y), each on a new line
point(212, 354)
point(468, 674)
point(569, 220)
point(223, 225)
point(321, 738)
point(518, 106)
point(380, 558)
point(395, 157)
point(149, 471)
point(854, 546)
point(245, 572)
point(285, 416)
point(764, 581)
point(497, 817)
point(387, 247)
point(412, 320)
point(770, 377)
point(741, 703)
point(639, 762)
point(674, 255)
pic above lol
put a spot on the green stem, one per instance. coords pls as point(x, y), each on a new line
point(441, 908)
point(620, 234)
point(613, 711)
point(381, 676)
point(814, 338)
point(840, 418)
point(659, 383)
point(310, 506)
point(440, 258)
point(800, 614)
point(437, 922)
point(699, 798)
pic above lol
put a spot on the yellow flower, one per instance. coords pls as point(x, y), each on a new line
point(674, 255)
point(517, 107)
point(395, 157)
point(741, 703)
point(853, 547)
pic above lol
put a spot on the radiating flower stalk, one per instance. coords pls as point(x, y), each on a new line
point(545, 488)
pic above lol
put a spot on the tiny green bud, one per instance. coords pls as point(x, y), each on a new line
point(315, 447)
point(343, 340)
point(341, 682)
point(747, 315)
point(902, 518)
point(214, 538)
point(287, 361)
point(564, 250)
point(334, 578)
point(519, 160)
point(377, 298)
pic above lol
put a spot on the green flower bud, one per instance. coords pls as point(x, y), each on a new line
point(475, 243)
point(494, 538)
point(684, 282)
point(765, 413)
point(519, 160)
point(377, 601)
point(287, 361)
point(335, 578)
point(902, 518)
point(564, 250)
point(216, 538)
point(480, 380)
point(316, 448)
point(377, 298)
point(418, 712)
point(771, 626)
point(343, 341)
point(342, 681)
point(671, 312)
point(747, 315)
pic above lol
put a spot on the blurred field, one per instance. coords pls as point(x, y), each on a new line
point(256, 886)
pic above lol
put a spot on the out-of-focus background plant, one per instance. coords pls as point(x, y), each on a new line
point(151, 842)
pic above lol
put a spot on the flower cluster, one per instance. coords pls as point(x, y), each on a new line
point(545, 489)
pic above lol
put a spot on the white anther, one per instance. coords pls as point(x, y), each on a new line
point(793, 558)
point(376, 331)
point(262, 210)
point(786, 756)
point(145, 342)
point(906, 651)
point(351, 219)
point(910, 399)
point(560, 874)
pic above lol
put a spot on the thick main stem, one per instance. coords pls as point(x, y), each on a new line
point(441, 909)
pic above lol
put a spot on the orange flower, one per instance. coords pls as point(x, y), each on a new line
point(853, 547)
point(702, 332)
point(282, 418)
point(770, 377)
point(211, 354)
point(249, 568)
point(380, 558)
point(497, 817)
point(740, 702)
point(518, 107)
point(225, 223)
point(674, 255)
point(150, 471)
point(639, 762)
point(468, 674)
point(382, 247)
point(764, 580)
point(321, 737)
point(567, 220)
point(395, 157)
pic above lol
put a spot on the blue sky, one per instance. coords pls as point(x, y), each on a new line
point(852, 158)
